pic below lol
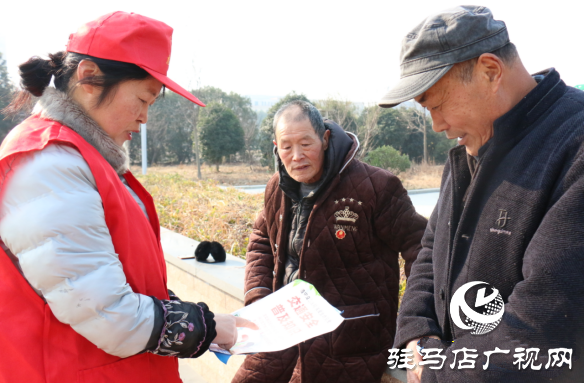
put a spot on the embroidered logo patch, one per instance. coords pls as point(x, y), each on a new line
point(346, 215)
point(346, 220)
point(503, 218)
point(501, 222)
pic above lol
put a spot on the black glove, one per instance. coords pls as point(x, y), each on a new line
point(181, 329)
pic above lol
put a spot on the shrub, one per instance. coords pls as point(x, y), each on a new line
point(386, 157)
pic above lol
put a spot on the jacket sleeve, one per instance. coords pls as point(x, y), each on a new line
point(397, 222)
point(52, 220)
point(182, 329)
point(546, 309)
point(259, 268)
point(417, 316)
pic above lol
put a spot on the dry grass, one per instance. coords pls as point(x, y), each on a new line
point(422, 176)
point(229, 174)
point(205, 212)
point(419, 176)
point(202, 210)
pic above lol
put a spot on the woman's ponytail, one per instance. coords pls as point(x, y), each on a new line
point(36, 73)
point(35, 76)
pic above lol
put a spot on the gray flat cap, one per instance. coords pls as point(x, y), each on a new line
point(439, 42)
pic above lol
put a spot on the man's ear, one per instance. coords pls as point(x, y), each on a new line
point(490, 68)
point(87, 69)
point(275, 143)
point(325, 138)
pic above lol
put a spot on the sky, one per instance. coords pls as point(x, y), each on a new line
point(342, 49)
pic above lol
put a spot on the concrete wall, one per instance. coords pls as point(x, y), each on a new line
point(220, 286)
point(183, 282)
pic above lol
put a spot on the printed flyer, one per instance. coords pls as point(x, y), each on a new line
point(293, 314)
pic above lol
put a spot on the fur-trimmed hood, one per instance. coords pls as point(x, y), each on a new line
point(58, 106)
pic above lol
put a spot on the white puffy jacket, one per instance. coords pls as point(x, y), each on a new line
point(52, 220)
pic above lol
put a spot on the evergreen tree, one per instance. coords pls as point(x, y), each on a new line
point(221, 133)
point(239, 105)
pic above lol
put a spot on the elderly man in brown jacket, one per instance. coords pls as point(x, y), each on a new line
point(340, 224)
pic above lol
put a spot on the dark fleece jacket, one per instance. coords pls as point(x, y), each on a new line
point(521, 230)
point(358, 225)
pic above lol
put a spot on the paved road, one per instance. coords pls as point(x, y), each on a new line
point(251, 189)
point(188, 373)
point(424, 200)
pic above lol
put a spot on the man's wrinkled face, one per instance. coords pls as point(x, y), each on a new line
point(460, 110)
point(300, 149)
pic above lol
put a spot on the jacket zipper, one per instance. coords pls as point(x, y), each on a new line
point(298, 216)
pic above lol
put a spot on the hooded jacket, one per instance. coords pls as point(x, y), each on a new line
point(360, 221)
point(302, 206)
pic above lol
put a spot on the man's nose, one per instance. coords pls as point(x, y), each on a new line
point(297, 153)
point(438, 123)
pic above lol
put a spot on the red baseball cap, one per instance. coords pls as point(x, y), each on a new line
point(130, 38)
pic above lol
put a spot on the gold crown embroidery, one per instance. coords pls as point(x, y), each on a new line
point(346, 215)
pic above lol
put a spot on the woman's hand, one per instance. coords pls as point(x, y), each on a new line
point(226, 327)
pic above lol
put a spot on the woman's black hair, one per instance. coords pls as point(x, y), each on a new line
point(36, 74)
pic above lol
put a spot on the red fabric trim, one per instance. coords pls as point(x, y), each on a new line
point(36, 346)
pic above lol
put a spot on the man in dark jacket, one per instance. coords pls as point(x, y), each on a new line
point(505, 244)
point(339, 224)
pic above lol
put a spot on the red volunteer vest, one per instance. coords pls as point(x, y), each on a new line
point(34, 346)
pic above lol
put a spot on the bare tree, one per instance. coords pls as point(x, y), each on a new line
point(368, 129)
point(194, 118)
point(196, 139)
point(190, 113)
point(157, 131)
point(343, 112)
point(416, 119)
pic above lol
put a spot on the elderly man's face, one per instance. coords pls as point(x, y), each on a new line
point(461, 110)
point(300, 149)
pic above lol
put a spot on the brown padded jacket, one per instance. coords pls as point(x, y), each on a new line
point(358, 227)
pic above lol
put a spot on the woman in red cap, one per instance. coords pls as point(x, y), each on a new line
point(84, 295)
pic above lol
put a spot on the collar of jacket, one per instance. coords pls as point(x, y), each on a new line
point(509, 129)
point(58, 106)
point(343, 147)
point(513, 125)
